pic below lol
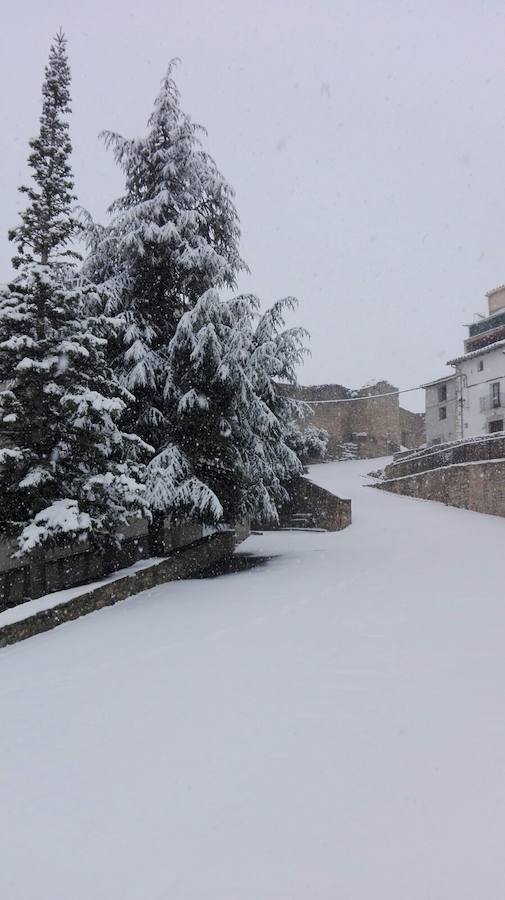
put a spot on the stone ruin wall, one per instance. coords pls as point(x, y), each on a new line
point(378, 427)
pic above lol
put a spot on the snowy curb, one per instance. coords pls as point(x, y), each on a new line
point(30, 608)
point(183, 563)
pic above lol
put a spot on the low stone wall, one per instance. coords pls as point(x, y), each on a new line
point(182, 563)
point(473, 450)
point(328, 511)
point(479, 486)
point(73, 564)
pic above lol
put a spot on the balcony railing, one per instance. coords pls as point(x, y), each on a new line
point(486, 324)
point(487, 403)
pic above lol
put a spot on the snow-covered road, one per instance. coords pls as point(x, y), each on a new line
point(327, 726)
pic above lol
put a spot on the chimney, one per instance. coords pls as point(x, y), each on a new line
point(496, 299)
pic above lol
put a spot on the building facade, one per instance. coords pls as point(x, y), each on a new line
point(441, 410)
point(471, 401)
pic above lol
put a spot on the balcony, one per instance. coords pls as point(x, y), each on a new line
point(486, 324)
point(489, 403)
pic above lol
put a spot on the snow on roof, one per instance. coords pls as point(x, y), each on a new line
point(495, 290)
point(439, 380)
point(497, 345)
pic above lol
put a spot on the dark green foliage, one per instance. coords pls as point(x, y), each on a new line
point(66, 468)
point(47, 225)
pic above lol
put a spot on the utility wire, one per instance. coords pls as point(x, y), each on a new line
point(394, 394)
point(368, 396)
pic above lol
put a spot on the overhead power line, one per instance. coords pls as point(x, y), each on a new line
point(395, 393)
point(367, 397)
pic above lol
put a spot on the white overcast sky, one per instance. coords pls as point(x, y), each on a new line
point(365, 142)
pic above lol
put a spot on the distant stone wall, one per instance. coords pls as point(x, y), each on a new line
point(479, 486)
point(375, 423)
point(412, 428)
point(372, 425)
point(333, 417)
point(327, 510)
point(182, 563)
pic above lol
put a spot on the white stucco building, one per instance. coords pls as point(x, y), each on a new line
point(440, 410)
point(471, 400)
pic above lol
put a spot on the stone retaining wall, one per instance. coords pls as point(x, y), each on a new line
point(56, 568)
point(412, 428)
point(473, 450)
point(182, 563)
point(328, 511)
point(479, 486)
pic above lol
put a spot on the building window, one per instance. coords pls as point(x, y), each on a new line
point(481, 365)
point(442, 394)
point(442, 412)
point(497, 425)
point(495, 395)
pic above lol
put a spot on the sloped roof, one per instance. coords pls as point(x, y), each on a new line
point(487, 349)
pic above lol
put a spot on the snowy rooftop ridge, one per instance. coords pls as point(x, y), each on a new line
point(495, 290)
point(473, 353)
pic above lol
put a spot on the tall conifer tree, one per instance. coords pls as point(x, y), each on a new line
point(67, 468)
point(48, 225)
point(202, 370)
point(172, 236)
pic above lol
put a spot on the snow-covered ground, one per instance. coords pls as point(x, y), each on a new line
point(329, 725)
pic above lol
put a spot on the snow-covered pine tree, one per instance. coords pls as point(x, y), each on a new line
point(48, 224)
point(276, 353)
point(199, 472)
point(228, 452)
point(66, 469)
point(203, 377)
point(172, 236)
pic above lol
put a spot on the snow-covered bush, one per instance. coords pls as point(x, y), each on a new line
point(310, 443)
